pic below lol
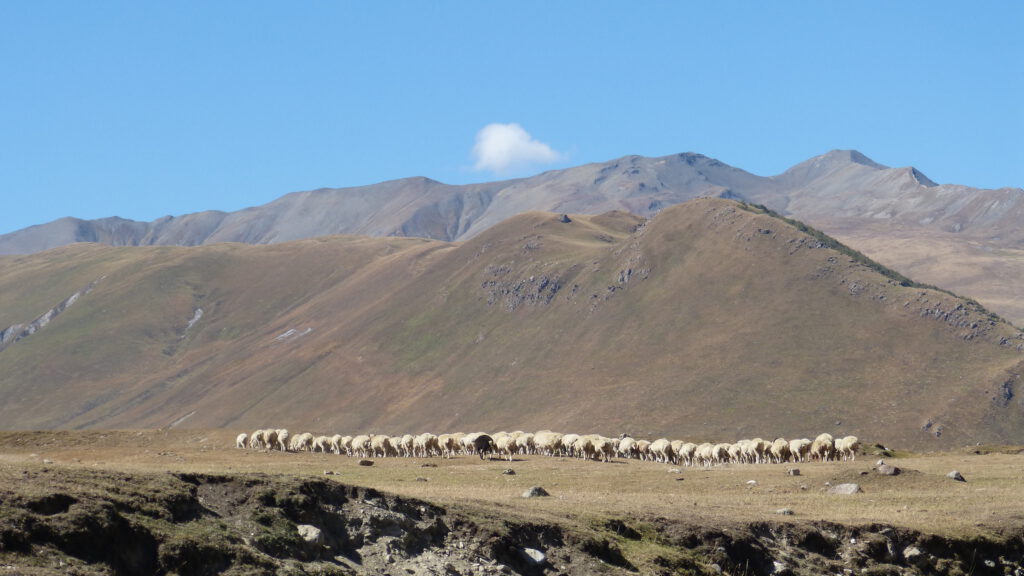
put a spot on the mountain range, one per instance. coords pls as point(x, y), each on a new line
point(964, 239)
point(713, 319)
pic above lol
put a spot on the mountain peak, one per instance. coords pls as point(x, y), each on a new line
point(847, 157)
point(824, 165)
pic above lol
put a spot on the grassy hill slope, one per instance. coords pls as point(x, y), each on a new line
point(712, 320)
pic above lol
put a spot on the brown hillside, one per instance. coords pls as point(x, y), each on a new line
point(708, 321)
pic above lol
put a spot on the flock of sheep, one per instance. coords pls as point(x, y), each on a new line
point(547, 443)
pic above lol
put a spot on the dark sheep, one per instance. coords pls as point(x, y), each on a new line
point(483, 443)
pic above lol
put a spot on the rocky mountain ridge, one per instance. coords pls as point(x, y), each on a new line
point(965, 239)
point(839, 184)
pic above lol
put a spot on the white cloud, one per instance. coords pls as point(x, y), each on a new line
point(507, 148)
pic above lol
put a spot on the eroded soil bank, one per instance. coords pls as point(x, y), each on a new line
point(82, 521)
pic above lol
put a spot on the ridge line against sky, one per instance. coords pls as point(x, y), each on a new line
point(143, 110)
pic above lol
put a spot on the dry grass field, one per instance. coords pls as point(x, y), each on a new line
point(652, 500)
point(920, 498)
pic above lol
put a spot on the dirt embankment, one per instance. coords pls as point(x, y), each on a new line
point(92, 522)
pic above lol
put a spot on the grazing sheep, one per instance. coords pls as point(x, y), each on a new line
point(302, 442)
point(282, 439)
point(800, 449)
point(396, 446)
point(242, 440)
point(425, 445)
point(321, 444)
point(720, 453)
point(547, 442)
point(345, 445)
point(583, 447)
point(750, 451)
point(505, 445)
point(735, 453)
point(467, 443)
point(823, 447)
point(256, 439)
point(677, 445)
point(779, 451)
point(361, 446)
point(847, 447)
point(404, 445)
point(380, 445)
point(482, 444)
point(643, 449)
point(686, 453)
point(704, 454)
point(268, 439)
point(661, 450)
point(604, 448)
point(569, 444)
point(335, 444)
point(449, 444)
point(627, 448)
point(525, 444)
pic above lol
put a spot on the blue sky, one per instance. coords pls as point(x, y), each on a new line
point(141, 109)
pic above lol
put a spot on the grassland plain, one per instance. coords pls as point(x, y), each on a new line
point(188, 502)
point(710, 320)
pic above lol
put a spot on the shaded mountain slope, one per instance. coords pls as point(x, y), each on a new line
point(711, 320)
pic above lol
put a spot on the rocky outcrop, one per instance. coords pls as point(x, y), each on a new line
point(21, 331)
point(258, 524)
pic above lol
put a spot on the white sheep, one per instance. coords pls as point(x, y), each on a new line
point(380, 446)
point(686, 453)
point(256, 439)
point(735, 453)
point(661, 450)
point(525, 443)
point(779, 451)
point(604, 448)
point(847, 447)
point(643, 449)
point(569, 444)
point(449, 444)
point(704, 454)
point(241, 441)
point(547, 442)
point(626, 448)
point(361, 445)
point(282, 439)
point(321, 444)
point(300, 442)
point(823, 447)
point(505, 445)
point(426, 445)
point(800, 449)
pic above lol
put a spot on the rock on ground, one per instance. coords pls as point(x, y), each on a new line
point(845, 489)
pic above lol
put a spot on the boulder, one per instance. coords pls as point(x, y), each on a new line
point(535, 491)
point(887, 470)
point(913, 554)
point(366, 462)
point(534, 556)
point(849, 488)
point(785, 511)
point(956, 475)
point(311, 534)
